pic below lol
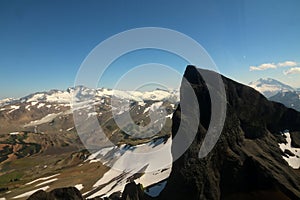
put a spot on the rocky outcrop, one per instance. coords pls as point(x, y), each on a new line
point(295, 137)
point(70, 193)
point(246, 162)
point(133, 191)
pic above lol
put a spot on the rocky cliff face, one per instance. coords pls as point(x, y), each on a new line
point(246, 162)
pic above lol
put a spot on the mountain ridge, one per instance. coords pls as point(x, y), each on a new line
point(69, 92)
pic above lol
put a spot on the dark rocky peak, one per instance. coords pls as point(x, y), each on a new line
point(246, 161)
point(254, 110)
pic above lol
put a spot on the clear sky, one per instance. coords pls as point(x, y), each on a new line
point(43, 43)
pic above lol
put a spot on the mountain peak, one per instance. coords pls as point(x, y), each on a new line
point(269, 86)
point(245, 157)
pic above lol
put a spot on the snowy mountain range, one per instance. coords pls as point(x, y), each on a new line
point(269, 87)
point(42, 124)
point(279, 92)
point(41, 108)
point(82, 93)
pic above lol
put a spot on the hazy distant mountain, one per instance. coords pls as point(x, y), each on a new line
point(279, 92)
point(269, 87)
point(290, 99)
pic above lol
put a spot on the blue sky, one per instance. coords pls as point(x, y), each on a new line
point(43, 43)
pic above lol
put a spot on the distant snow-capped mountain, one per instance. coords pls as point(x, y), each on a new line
point(279, 92)
point(270, 87)
point(83, 93)
point(52, 111)
point(6, 101)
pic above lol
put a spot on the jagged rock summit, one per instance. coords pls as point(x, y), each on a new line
point(246, 162)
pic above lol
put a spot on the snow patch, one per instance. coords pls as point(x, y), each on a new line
point(70, 129)
point(170, 116)
point(27, 107)
point(79, 186)
point(42, 179)
point(46, 119)
point(14, 133)
point(293, 161)
point(46, 182)
point(40, 105)
point(13, 108)
point(34, 103)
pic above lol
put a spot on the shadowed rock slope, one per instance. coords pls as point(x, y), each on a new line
point(246, 162)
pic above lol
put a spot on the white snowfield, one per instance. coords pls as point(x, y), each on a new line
point(149, 163)
point(80, 94)
point(293, 161)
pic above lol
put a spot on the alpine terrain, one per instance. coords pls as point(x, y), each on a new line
point(255, 157)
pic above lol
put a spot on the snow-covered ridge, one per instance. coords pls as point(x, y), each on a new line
point(81, 93)
point(6, 101)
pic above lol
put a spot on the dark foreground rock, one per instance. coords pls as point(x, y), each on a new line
point(246, 162)
point(132, 191)
point(295, 137)
point(69, 193)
